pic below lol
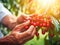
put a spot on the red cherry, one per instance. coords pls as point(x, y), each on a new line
point(44, 24)
point(45, 21)
point(52, 35)
point(37, 23)
point(43, 32)
point(34, 24)
point(47, 24)
point(41, 25)
point(34, 18)
point(37, 34)
point(37, 18)
point(41, 20)
point(26, 27)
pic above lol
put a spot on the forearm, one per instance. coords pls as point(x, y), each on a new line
point(8, 40)
point(10, 21)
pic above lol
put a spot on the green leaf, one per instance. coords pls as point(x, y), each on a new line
point(56, 23)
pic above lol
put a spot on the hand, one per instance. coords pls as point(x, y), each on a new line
point(21, 18)
point(22, 37)
point(12, 21)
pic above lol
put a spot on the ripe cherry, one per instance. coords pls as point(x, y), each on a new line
point(37, 34)
point(34, 24)
point(43, 32)
point(52, 35)
point(37, 18)
point(41, 25)
point(37, 23)
point(44, 24)
point(31, 22)
point(41, 20)
point(26, 27)
point(48, 24)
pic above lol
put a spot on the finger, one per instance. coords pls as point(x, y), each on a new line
point(20, 26)
point(22, 30)
point(26, 39)
point(21, 18)
point(30, 37)
point(28, 32)
point(34, 31)
point(26, 35)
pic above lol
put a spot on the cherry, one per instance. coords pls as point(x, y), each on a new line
point(34, 18)
point(34, 24)
point(41, 25)
point(47, 24)
point(37, 18)
point(37, 23)
point(43, 32)
point(41, 20)
point(45, 21)
point(52, 35)
point(37, 34)
point(26, 27)
point(44, 24)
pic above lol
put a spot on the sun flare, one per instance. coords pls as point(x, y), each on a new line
point(47, 2)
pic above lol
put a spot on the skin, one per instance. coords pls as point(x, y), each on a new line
point(17, 36)
point(12, 21)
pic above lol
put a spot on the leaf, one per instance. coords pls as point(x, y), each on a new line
point(56, 23)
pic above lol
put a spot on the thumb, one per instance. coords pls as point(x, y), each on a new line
point(21, 18)
point(28, 32)
point(20, 26)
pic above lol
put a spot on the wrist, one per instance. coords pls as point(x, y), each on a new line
point(17, 38)
point(9, 40)
point(10, 21)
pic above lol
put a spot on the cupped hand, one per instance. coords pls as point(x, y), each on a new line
point(22, 37)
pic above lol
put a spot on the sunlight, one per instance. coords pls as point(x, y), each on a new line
point(45, 3)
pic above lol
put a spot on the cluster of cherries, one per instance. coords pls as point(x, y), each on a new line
point(40, 21)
